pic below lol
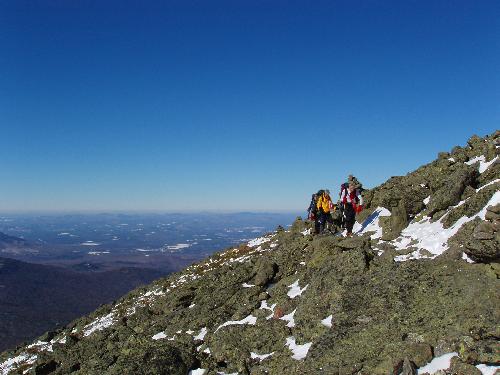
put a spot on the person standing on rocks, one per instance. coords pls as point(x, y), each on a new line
point(324, 206)
point(343, 188)
point(352, 202)
point(311, 211)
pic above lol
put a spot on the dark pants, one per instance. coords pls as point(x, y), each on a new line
point(350, 217)
point(324, 218)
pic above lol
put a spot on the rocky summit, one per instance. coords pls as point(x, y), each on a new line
point(414, 291)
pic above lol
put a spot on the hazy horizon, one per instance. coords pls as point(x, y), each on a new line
point(231, 106)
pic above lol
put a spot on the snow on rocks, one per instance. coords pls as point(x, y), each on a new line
point(488, 370)
point(260, 357)
point(488, 184)
point(306, 232)
point(159, 336)
point(295, 290)
point(12, 364)
point(99, 324)
point(289, 318)
point(264, 306)
point(327, 322)
point(44, 346)
point(245, 285)
point(466, 258)
point(483, 164)
point(432, 236)
point(299, 351)
point(259, 241)
point(439, 363)
point(371, 224)
point(427, 200)
point(201, 335)
point(198, 371)
point(250, 319)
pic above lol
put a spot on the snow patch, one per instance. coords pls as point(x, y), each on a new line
point(371, 224)
point(198, 371)
point(439, 363)
point(89, 243)
point(289, 318)
point(488, 370)
point(258, 241)
point(13, 363)
point(306, 232)
point(179, 246)
point(250, 319)
point(159, 336)
point(466, 258)
point(260, 357)
point(201, 335)
point(488, 184)
point(245, 285)
point(432, 236)
point(99, 324)
point(483, 164)
point(299, 351)
point(295, 290)
point(264, 306)
point(327, 322)
point(427, 200)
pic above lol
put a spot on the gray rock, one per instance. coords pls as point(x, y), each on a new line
point(408, 368)
point(265, 271)
point(460, 368)
point(451, 192)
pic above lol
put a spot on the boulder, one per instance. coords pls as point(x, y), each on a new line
point(394, 224)
point(408, 368)
point(451, 192)
point(264, 271)
point(483, 246)
point(461, 368)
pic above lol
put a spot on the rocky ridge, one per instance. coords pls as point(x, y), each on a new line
point(416, 291)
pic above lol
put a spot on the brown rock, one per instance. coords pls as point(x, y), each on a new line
point(278, 313)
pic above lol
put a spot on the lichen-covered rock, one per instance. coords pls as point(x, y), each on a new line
point(394, 224)
point(481, 241)
point(461, 368)
point(450, 193)
point(265, 272)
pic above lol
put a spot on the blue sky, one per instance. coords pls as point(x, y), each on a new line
point(234, 105)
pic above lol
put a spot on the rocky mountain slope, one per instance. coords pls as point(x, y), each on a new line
point(35, 298)
point(416, 291)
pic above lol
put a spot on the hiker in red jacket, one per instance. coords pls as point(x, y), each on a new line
point(352, 202)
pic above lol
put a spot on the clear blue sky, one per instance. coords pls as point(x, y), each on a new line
point(232, 105)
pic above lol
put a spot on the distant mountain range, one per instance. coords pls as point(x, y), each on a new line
point(35, 298)
point(8, 242)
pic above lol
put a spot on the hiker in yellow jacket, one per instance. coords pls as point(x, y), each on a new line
point(324, 205)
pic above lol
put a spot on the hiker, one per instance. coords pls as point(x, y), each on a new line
point(352, 203)
point(324, 206)
point(317, 212)
point(343, 188)
point(312, 210)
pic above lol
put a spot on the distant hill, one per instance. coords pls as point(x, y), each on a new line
point(7, 241)
point(35, 298)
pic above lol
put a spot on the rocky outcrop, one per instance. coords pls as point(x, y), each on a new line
point(483, 238)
